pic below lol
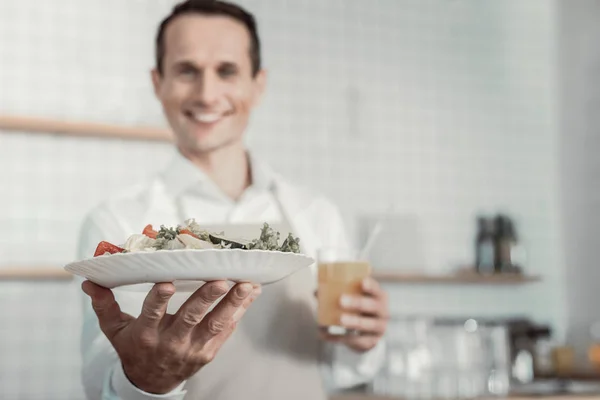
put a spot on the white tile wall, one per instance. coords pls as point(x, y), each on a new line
point(580, 144)
point(443, 108)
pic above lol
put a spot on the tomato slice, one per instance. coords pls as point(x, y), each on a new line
point(148, 231)
point(188, 232)
point(105, 247)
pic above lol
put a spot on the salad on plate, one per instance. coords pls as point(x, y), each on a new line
point(190, 235)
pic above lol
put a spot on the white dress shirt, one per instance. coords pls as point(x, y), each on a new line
point(166, 199)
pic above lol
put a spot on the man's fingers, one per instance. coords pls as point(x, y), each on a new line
point(195, 308)
point(365, 325)
point(218, 341)
point(358, 343)
point(361, 343)
point(371, 287)
point(366, 314)
point(109, 314)
point(224, 316)
point(155, 305)
point(363, 305)
point(256, 291)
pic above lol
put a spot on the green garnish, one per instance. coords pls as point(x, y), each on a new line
point(167, 233)
point(268, 240)
point(291, 244)
point(164, 236)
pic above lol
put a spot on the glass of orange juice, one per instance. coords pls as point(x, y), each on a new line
point(340, 272)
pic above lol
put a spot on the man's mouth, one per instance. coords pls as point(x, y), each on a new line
point(206, 117)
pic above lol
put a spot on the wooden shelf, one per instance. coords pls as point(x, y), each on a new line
point(81, 128)
point(459, 278)
point(584, 375)
point(25, 273)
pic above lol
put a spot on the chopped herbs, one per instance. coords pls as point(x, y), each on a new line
point(167, 233)
point(268, 239)
point(291, 244)
point(164, 236)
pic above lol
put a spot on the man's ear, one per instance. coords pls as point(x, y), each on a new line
point(260, 83)
point(156, 81)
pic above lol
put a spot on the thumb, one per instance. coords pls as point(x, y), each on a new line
point(109, 314)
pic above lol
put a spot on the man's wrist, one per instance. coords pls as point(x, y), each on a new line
point(126, 389)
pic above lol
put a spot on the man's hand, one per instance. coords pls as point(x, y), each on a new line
point(158, 351)
point(368, 314)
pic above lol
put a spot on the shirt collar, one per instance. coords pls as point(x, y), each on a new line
point(181, 175)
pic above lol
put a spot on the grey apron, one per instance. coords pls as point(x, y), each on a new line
point(274, 352)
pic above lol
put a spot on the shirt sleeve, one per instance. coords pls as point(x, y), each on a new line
point(102, 374)
point(120, 388)
point(344, 368)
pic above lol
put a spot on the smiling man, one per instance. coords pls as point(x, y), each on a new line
point(252, 345)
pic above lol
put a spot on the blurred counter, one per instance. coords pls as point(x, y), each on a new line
point(558, 397)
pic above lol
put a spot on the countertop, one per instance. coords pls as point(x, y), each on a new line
point(551, 389)
point(559, 397)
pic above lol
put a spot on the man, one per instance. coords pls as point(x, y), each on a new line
point(208, 77)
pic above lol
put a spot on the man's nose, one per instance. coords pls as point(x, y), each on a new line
point(207, 89)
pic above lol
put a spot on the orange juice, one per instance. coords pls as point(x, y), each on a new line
point(335, 280)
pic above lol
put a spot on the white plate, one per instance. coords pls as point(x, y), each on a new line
point(188, 269)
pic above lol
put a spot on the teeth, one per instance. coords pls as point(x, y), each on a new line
point(207, 118)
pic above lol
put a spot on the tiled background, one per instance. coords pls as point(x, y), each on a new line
point(442, 108)
point(580, 141)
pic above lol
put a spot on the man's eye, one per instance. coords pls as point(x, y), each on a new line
point(188, 72)
point(227, 72)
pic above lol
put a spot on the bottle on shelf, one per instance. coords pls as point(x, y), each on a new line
point(485, 248)
point(506, 246)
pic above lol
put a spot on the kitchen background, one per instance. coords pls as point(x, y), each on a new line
point(440, 110)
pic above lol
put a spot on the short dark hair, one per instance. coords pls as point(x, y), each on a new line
point(211, 7)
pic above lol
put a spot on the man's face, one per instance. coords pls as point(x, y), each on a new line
point(207, 89)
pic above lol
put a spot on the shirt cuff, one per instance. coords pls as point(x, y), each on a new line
point(352, 368)
point(125, 390)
